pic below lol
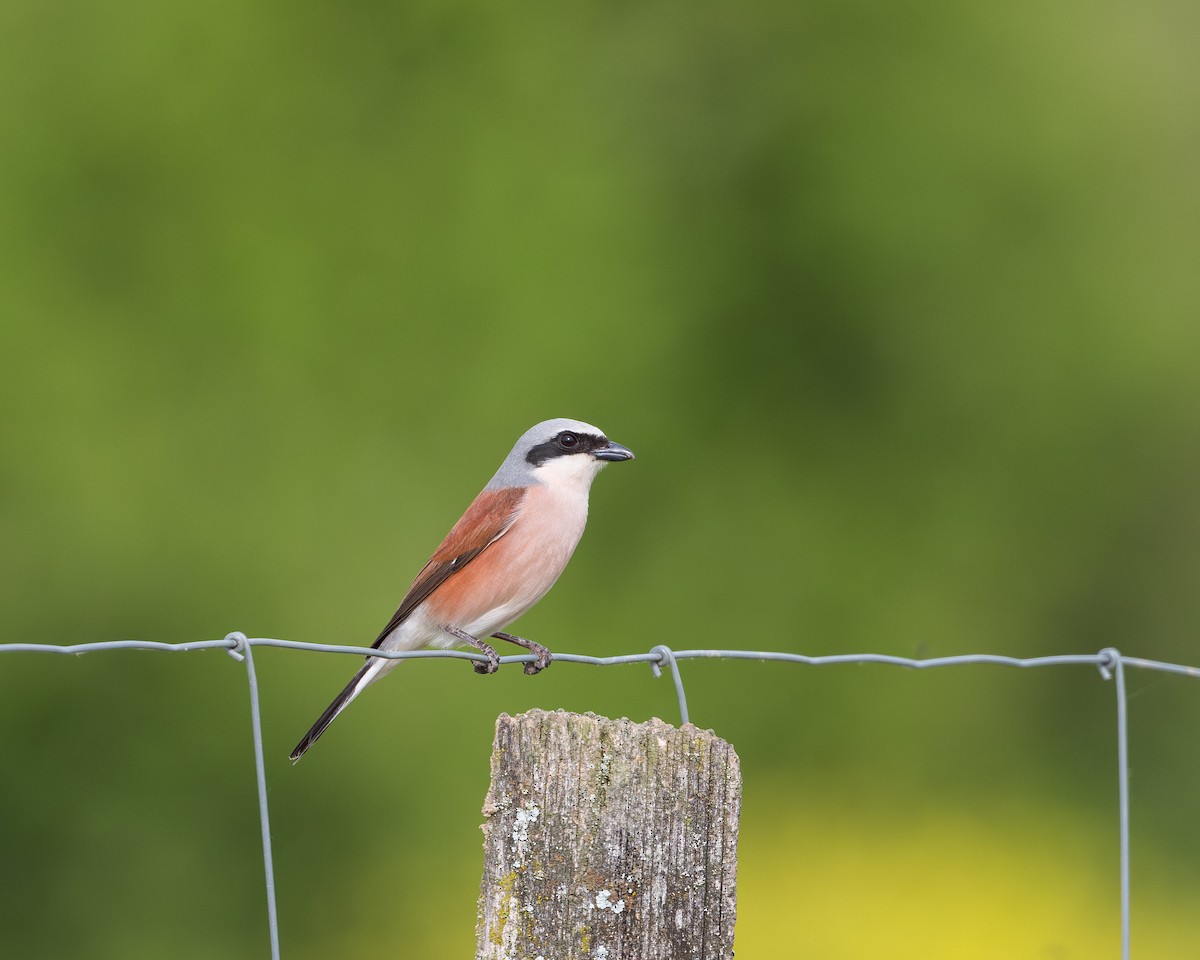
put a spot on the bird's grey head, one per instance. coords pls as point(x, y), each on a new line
point(558, 451)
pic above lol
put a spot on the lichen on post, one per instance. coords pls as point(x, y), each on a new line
point(608, 839)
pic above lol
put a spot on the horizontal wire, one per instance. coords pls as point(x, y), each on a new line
point(77, 649)
point(1102, 659)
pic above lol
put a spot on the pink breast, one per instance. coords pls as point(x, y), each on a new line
point(512, 574)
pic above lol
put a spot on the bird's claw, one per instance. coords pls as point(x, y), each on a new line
point(542, 656)
point(492, 664)
point(543, 660)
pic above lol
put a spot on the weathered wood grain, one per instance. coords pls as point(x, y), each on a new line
point(608, 839)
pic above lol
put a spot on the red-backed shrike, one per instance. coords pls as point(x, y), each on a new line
point(500, 558)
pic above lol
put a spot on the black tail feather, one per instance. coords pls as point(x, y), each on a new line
point(331, 711)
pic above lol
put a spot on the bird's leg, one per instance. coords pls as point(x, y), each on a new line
point(543, 655)
point(493, 658)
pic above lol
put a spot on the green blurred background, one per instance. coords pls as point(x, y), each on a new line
point(898, 306)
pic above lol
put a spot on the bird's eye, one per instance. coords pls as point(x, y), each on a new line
point(567, 440)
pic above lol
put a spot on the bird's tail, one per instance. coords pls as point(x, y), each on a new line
point(361, 681)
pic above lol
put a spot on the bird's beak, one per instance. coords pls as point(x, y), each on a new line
point(612, 451)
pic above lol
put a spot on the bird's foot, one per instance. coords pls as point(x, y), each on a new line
point(543, 657)
point(493, 658)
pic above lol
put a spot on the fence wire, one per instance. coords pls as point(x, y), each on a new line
point(1110, 663)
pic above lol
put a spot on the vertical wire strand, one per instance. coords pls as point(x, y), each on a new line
point(1123, 802)
point(667, 656)
point(244, 647)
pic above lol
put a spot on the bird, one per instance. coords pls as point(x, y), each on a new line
point(501, 557)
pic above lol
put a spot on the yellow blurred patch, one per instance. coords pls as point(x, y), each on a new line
point(1035, 882)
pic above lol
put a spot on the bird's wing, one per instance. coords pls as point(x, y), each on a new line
point(487, 519)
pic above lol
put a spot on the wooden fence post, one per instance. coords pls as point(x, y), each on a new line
point(608, 840)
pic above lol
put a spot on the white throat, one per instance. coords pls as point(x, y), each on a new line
point(573, 473)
